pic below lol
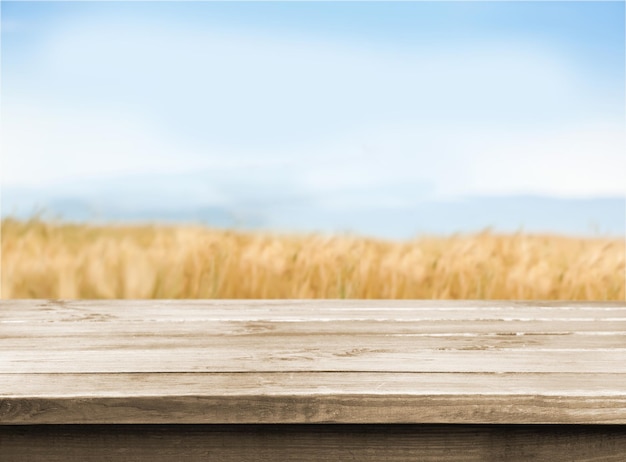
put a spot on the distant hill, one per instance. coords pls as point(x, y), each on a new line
point(255, 202)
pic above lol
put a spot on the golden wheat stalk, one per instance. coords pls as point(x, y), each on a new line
point(57, 260)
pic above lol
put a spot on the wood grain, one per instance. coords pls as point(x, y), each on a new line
point(298, 310)
point(247, 443)
point(283, 361)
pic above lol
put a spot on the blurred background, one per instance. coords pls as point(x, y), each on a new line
point(384, 119)
point(391, 121)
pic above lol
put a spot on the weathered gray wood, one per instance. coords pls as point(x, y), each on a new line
point(305, 383)
point(243, 443)
point(467, 327)
point(299, 310)
point(321, 407)
point(312, 397)
point(312, 361)
point(359, 358)
point(140, 339)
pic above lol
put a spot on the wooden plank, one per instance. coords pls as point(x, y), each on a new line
point(476, 362)
point(267, 409)
point(308, 383)
point(312, 398)
point(243, 443)
point(172, 339)
point(359, 358)
point(87, 311)
point(313, 327)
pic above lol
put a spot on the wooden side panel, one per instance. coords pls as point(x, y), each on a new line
point(363, 443)
point(312, 398)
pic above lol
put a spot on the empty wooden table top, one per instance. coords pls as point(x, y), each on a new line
point(324, 361)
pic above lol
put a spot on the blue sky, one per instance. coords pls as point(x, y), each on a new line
point(349, 104)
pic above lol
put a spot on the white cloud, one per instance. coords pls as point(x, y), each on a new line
point(139, 98)
point(45, 145)
point(582, 160)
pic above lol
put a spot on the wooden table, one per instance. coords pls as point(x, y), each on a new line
point(312, 380)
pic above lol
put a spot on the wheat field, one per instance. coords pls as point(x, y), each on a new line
point(59, 260)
